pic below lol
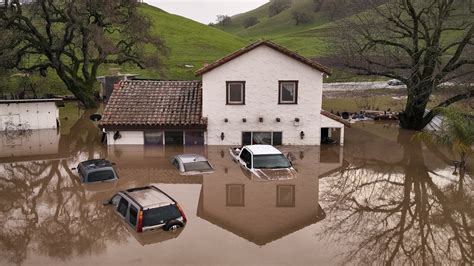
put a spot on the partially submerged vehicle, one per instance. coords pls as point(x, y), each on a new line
point(148, 209)
point(394, 82)
point(96, 170)
point(264, 162)
point(192, 164)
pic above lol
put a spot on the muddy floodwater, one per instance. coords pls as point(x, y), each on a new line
point(383, 198)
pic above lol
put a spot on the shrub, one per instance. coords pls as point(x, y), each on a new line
point(277, 6)
point(251, 21)
point(301, 17)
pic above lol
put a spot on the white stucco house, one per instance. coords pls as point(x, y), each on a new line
point(260, 94)
point(29, 114)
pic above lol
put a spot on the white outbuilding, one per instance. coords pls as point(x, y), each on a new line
point(25, 114)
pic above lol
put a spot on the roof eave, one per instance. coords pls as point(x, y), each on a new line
point(272, 45)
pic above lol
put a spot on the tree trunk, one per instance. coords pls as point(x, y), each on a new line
point(84, 92)
point(86, 97)
point(413, 115)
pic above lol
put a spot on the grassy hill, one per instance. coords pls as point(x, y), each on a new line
point(306, 38)
point(313, 38)
point(189, 43)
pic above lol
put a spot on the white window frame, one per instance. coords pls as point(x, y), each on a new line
point(295, 93)
point(242, 92)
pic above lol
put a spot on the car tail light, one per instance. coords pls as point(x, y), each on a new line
point(182, 212)
point(140, 221)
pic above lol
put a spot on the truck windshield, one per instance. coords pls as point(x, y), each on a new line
point(160, 215)
point(270, 161)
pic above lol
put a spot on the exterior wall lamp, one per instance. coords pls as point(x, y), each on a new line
point(302, 134)
point(244, 120)
point(260, 119)
point(278, 119)
point(226, 120)
point(222, 135)
point(296, 122)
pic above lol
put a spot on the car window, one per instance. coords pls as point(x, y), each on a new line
point(133, 214)
point(246, 156)
point(102, 175)
point(197, 166)
point(176, 163)
point(115, 200)
point(80, 172)
point(122, 207)
point(160, 215)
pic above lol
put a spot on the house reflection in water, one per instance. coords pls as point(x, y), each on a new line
point(262, 212)
point(259, 211)
point(28, 146)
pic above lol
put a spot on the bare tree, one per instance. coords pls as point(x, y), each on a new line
point(223, 20)
point(394, 212)
point(74, 38)
point(318, 4)
point(250, 21)
point(301, 17)
point(421, 43)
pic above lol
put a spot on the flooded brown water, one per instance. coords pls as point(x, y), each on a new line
point(383, 198)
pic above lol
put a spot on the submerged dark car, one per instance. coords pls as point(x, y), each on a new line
point(148, 209)
point(97, 170)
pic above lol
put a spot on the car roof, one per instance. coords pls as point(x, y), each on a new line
point(262, 149)
point(149, 197)
point(96, 164)
point(189, 158)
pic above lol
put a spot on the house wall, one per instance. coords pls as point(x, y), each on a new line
point(39, 142)
point(126, 138)
point(262, 68)
point(39, 115)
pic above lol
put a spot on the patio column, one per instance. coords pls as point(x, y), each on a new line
point(341, 141)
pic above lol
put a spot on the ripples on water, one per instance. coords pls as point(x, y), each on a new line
point(382, 198)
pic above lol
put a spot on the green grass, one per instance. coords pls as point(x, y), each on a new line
point(283, 30)
point(189, 43)
point(356, 104)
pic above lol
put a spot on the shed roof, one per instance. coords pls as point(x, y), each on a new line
point(155, 104)
point(335, 118)
point(58, 101)
point(269, 44)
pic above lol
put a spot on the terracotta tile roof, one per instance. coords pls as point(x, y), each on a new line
point(335, 117)
point(267, 43)
point(155, 104)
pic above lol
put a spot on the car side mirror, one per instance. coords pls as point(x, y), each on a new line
point(106, 202)
point(73, 169)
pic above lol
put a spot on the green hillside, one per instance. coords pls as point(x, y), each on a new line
point(189, 43)
point(305, 38)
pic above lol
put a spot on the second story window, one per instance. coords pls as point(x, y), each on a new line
point(288, 92)
point(236, 92)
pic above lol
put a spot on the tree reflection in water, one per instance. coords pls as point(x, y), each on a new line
point(45, 208)
point(400, 212)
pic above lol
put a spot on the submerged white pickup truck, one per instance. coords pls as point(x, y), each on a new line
point(264, 161)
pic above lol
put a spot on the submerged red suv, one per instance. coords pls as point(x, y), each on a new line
point(147, 209)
